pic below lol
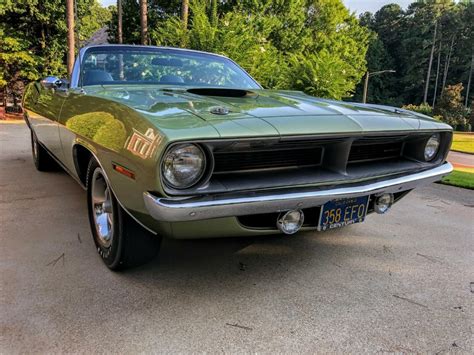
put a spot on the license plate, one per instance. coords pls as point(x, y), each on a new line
point(342, 212)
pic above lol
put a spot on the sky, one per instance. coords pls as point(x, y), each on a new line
point(358, 6)
point(107, 2)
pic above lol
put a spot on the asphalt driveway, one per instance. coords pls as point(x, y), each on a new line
point(403, 282)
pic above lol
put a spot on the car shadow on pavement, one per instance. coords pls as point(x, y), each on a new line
point(214, 265)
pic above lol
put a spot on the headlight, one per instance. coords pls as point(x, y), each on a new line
point(183, 165)
point(431, 147)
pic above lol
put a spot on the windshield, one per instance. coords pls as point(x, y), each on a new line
point(113, 65)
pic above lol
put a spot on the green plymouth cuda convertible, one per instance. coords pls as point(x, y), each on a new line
point(185, 144)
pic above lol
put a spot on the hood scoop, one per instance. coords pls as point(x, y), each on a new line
point(221, 92)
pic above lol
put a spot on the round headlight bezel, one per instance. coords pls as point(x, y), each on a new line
point(196, 180)
point(434, 138)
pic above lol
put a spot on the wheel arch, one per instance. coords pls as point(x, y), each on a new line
point(82, 157)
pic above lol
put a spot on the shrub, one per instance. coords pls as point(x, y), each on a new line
point(423, 108)
point(451, 108)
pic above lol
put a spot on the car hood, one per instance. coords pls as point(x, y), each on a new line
point(240, 113)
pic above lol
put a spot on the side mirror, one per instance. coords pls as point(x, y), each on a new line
point(52, 82)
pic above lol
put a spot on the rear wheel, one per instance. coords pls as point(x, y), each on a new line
point(120, 240)
point(43, 161)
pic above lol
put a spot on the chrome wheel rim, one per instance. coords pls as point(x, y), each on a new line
point(102, 210)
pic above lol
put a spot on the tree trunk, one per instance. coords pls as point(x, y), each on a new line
point(213, 13)
point(70, 35)
point(144, 21)
point(43, 31)
point(437, 72)
point(120, 35)
point(446, 64)
point(366, 88)
point(4, 98)
point(184, 13)
point(468, 88)
point(427, 83)
point(77, 24)
point(119, 22)
point(43, 38)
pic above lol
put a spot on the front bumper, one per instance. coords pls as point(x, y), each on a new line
point(247, 203)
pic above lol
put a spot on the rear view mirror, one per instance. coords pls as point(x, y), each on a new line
point(52, 82)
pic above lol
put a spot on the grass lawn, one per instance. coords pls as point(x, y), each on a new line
point(463, 142)
point(461, 178)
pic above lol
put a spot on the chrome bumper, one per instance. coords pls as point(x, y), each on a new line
point(247, 203)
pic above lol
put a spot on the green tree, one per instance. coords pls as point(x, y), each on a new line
point(91, 17)
point(405, 41)
point(463, 50)
point(334, 51)
point(33, 38)
point(17, 63)
point(158, 11)
point(315, 46)
point(451, 108)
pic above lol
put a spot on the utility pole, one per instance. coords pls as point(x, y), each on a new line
point(366, 83)
point(70, 35)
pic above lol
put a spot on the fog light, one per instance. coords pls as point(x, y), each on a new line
point(290, 222)
point(383, 203)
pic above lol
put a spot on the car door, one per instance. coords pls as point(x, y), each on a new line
point(44, 115)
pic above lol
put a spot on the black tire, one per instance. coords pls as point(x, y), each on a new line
point(43, 161)
point(130, 244)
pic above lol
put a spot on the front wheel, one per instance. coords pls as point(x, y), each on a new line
point(120, 241)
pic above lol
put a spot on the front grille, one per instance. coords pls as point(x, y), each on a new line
point(302, 153)
point(288, 157)
point(275, 162)
point(364, 152)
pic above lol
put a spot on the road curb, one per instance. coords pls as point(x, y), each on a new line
point(460, 151)
point(12, 121)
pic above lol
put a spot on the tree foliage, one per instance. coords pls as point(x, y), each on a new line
point(402, 40)
point(451, 107)
point(423, 108)
point(158, 10)
point(315, 46)
point(33, 38)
